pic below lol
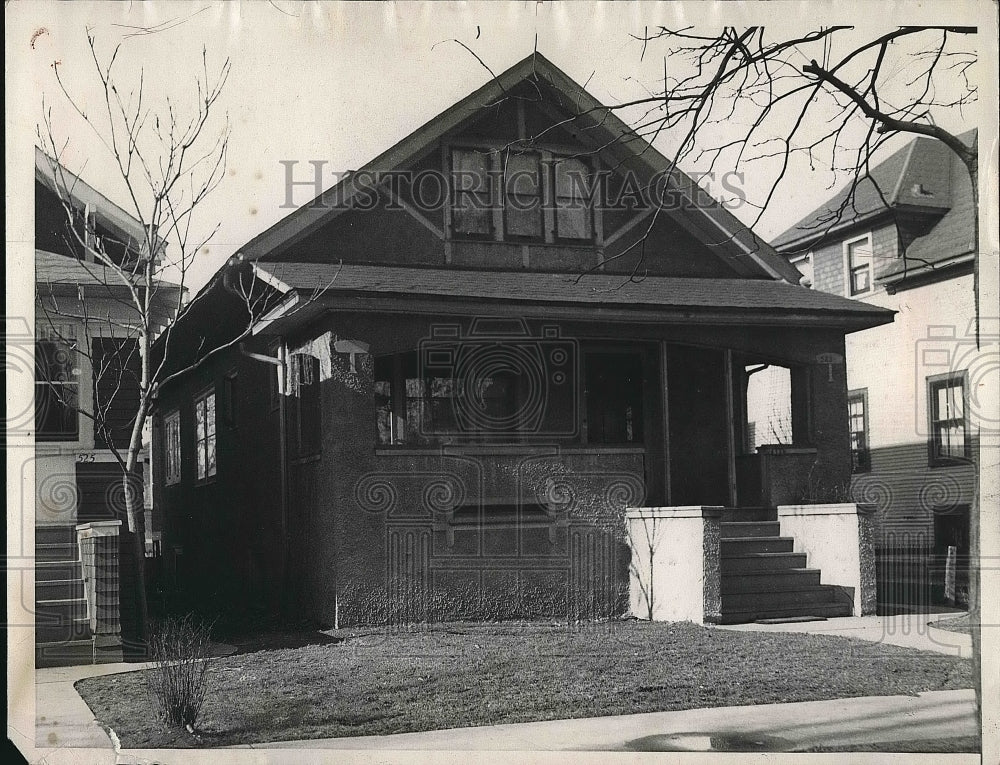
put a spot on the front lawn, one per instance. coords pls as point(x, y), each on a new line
point(449, 676)
point(958, 624)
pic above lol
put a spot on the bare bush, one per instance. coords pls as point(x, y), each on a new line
point(179, 647)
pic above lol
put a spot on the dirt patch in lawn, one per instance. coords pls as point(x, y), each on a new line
point(384, 682)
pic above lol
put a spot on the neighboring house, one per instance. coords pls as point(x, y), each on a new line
point(452, 400)
point(906, 242)
point(86, 362)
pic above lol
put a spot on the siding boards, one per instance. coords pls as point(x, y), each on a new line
point(101, 494)
point(908, 493)
point(117, 370)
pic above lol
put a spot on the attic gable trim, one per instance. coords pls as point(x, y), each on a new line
point(592, 114)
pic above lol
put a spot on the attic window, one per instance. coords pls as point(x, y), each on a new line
point(472, 198)
point(523, 194)
point(918, 190)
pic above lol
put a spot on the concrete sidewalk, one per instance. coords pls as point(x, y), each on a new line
point(62, 718)
point(935, 715)
point(906, 630)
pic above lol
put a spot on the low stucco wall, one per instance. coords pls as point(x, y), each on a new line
point(674, 572)
point(838, 540)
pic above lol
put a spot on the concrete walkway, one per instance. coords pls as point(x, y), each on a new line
point(62, 718)
point(935, 715)
point(907, 630)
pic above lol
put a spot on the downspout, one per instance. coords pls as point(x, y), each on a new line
point(281, 362)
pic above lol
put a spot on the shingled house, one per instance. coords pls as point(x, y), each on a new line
point(905, 240)
point(475, 354)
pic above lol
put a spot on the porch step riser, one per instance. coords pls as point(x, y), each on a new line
point(748, 601)
point(787, 582)
point(818, 610)
point(731, 548)
point(61, 633)
point(48, 571)
point(746, 530)
point(57, 552)
point(739, 514)
point(772, 563)
point(58, 589)
point(54, 535)
point(76, 653)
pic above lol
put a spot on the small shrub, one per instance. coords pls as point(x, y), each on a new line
point(177, 681)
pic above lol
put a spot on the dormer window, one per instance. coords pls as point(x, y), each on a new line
point(472, 195)
point(572, 199)
point(520, 195)
point(522, 182)
point(859, 265)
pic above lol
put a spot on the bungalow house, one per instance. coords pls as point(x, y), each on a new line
point(472, 358)
point(906, 241)
point(86, 378)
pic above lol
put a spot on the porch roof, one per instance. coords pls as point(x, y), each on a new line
point(694, 295)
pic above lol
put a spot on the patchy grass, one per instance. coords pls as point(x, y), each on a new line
point(447, 676)
point(959, 624)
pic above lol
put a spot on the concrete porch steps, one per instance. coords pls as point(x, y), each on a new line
point(763, 578)
point(62, 624)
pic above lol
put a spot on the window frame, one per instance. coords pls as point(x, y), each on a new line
point(499, 228)
point(849, 269)
point(554, 161)
point(171, 476)
point(936, 383)
point(489, 191)
point(199, 399)
point(861, 464)
point(65, 335)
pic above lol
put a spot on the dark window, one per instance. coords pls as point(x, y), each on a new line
point(204, 422)
point(859, 266)
point(572, 199)
point(522, 177)
point(614, 397)
point(172, 448)
point(949, 425)
point(486, 391)
point(472, 201)
point(857, 411)
point(57, 384)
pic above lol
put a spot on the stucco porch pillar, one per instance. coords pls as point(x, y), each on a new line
point(838, 539)
point(674, 571)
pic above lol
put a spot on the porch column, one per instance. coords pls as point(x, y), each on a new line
point(98, 542)
point(838, 539)
point(674, 571)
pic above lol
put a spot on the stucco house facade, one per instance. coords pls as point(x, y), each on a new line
point(906, 242)
point(86, 399)
point(472, 357)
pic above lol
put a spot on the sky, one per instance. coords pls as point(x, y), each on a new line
point(343, 82)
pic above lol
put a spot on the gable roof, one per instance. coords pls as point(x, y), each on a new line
point(769, 300)
point(922, 176)
point(124, 224)
point(608, 131)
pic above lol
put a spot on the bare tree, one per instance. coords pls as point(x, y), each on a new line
point(169, 159)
